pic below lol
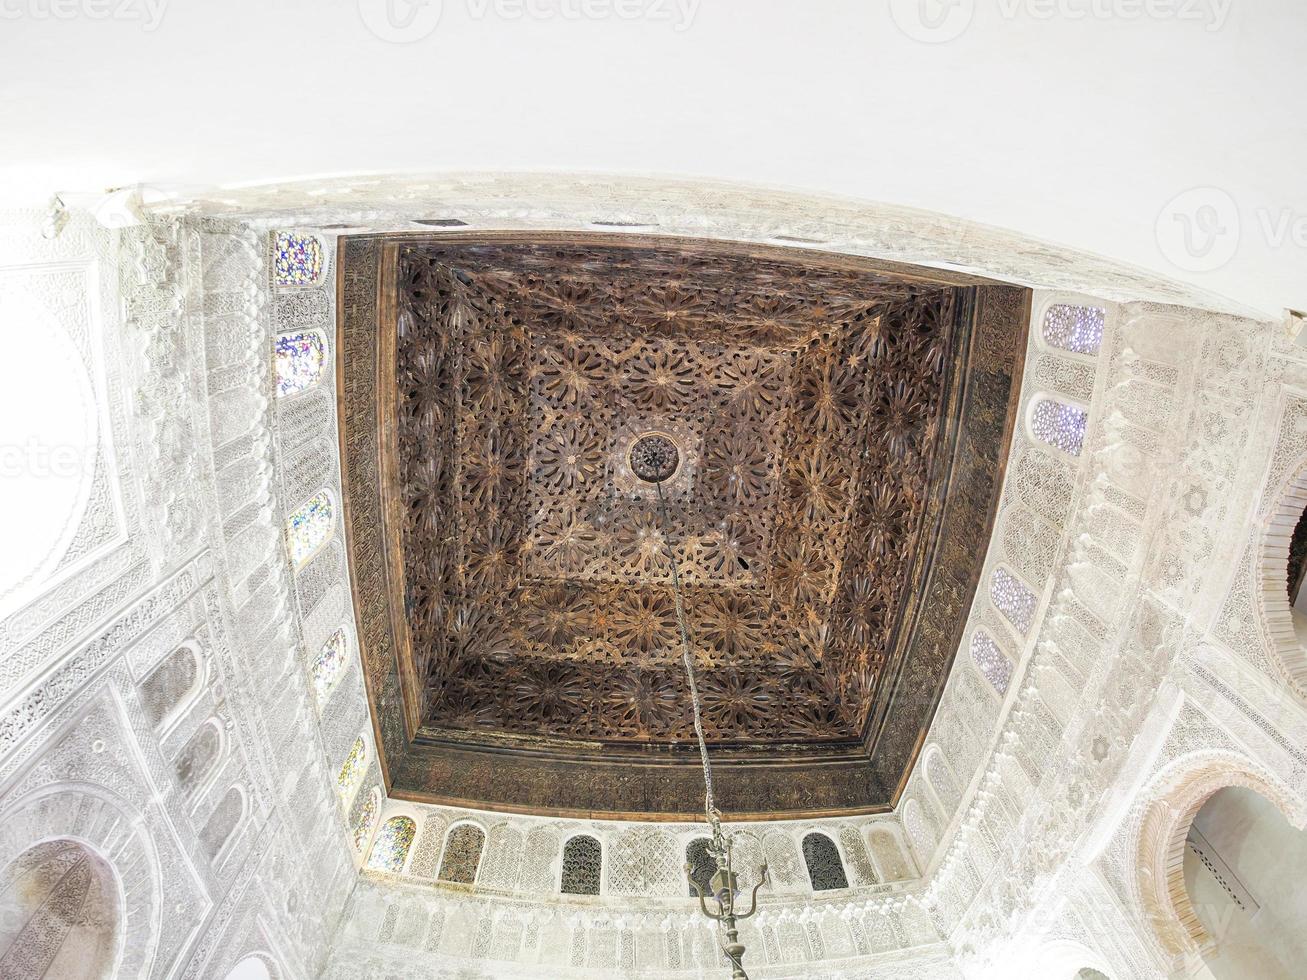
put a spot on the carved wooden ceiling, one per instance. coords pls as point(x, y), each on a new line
point(812, 412)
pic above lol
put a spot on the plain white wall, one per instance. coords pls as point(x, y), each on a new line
point(1070, 127)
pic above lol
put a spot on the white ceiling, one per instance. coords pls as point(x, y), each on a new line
point(1075, 130)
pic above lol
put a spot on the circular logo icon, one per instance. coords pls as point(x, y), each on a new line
point(1198, 229)
point(400, 21)
point(932, 21)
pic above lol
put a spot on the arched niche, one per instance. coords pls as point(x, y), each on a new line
point(59, 913)
point(1177, 796)
point(114, 832)
point(1243, 865)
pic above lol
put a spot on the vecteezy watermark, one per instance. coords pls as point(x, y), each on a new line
point(400, 21)
point(149, 13)
point(937, 21)
point(932, 21)
point(1200, 230)
point(38, 460)
point(404, 21)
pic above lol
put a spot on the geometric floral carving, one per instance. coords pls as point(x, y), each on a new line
point(582, 866)
point(702, 865)
point(462, 854)
point(825, 869)
point(537, 569)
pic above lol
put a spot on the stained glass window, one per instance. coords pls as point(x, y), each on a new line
point(296, 259)
point(462, 854)
point(991, 661)
point(582, 864)
point(825, 869)
point(351, 772)
point(1059, 425)
point(392, 843)
point(1011, 597)
point(366, 817)
point(328, 665)
point(702, 865)
point(1078, 329)
point(309, 528)
point(298, 360)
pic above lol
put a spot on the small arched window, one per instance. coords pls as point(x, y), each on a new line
point(1013, 599)
point(700, 864)
point(365, 818)
point(222, 822)
point(310, 527)
point(462, 854)
point(297, 260)
point(327, 665)
point(991, 661)
point(1078, 329)
point(170, 685)
point(825, 869)
point(351, 770)
point(298, 360)
point(197, 757)
point(1059, 425)
point(390, 849)
point(582, 866)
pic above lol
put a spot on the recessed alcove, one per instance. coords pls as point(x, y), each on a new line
point(59, 913)
point(830, 435)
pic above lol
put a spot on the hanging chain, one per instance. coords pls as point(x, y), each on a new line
point(709, 806)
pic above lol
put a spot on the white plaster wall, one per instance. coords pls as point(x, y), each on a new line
point(1052, 120)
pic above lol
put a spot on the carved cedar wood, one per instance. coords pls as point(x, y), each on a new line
point(834, 430)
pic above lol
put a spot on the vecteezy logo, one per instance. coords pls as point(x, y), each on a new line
point(1198, 230)
point(932, 21)
point(400, 21)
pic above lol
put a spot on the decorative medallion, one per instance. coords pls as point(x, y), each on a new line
point(654, 458)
